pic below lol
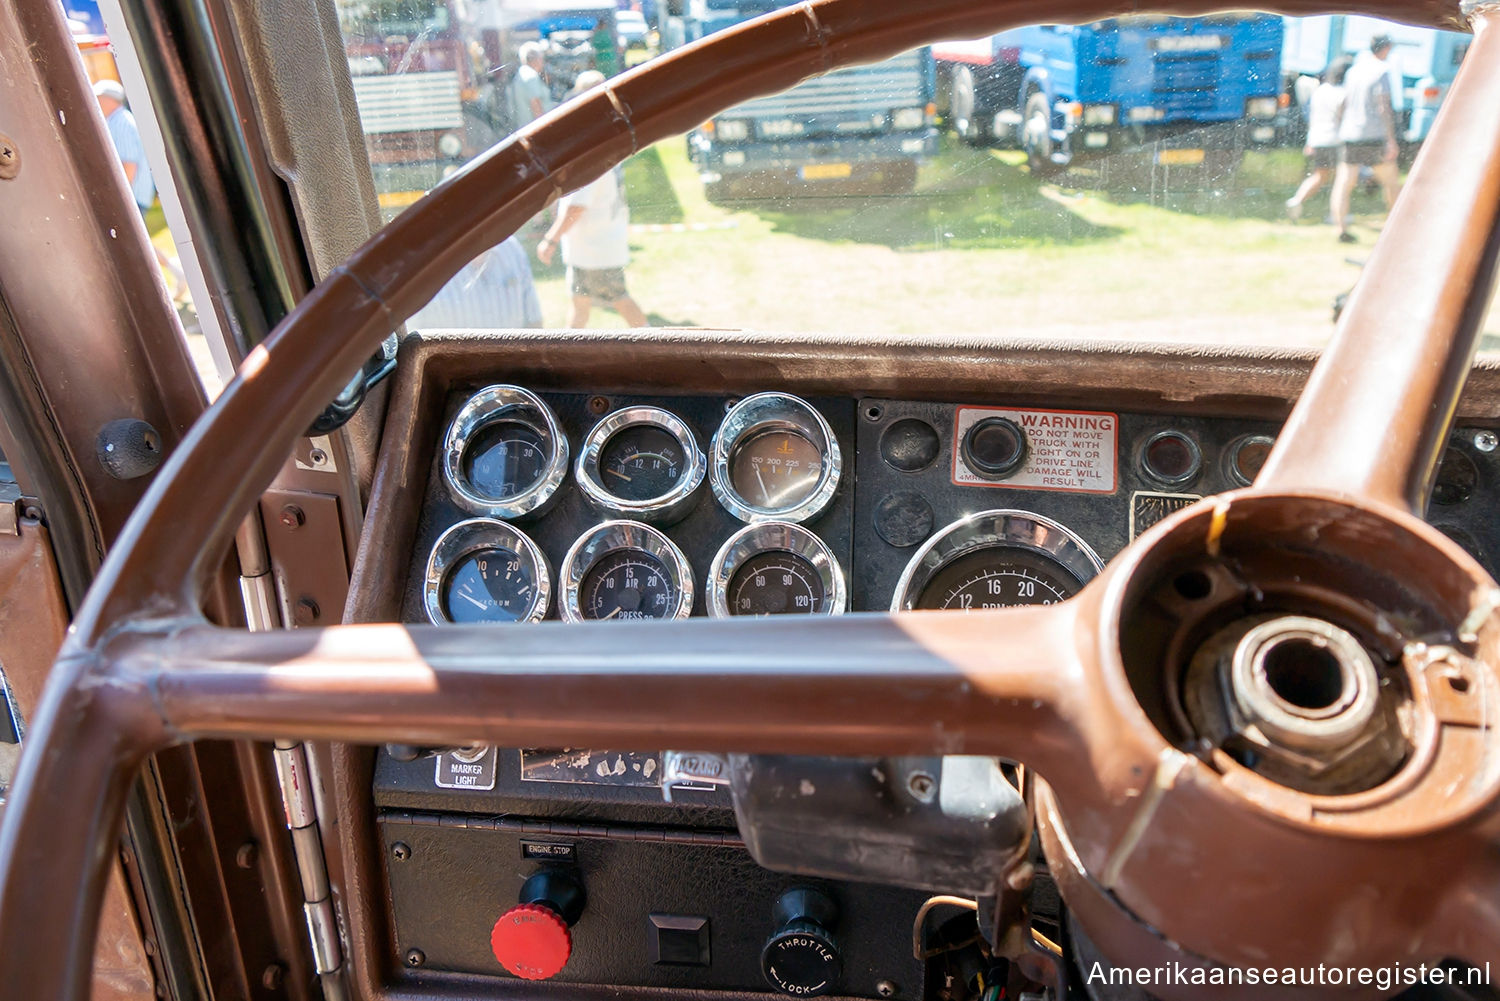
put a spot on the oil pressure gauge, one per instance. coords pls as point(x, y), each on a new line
point(504, 455)
point(774, 458)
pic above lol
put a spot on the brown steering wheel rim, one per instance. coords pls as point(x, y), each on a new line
point(141, 670)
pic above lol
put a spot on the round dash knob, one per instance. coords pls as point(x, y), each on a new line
point(532, 941)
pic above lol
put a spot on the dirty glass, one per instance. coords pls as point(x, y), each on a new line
point(1143, 178)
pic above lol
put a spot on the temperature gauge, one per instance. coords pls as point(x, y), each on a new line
point(774, 459)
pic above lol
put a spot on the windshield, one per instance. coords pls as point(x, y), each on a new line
point(1217, 180)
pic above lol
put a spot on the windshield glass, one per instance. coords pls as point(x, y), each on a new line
point(1217, 179)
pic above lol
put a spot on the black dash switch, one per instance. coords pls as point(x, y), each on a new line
point(679, 940)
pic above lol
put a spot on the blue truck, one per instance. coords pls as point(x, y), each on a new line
point(1185, 87)
point(1423, 62)
point(861, 129)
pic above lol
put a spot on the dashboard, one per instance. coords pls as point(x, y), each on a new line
point(517, 501)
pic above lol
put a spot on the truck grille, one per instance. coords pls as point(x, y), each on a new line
point(848, 100)
point(1186, 82)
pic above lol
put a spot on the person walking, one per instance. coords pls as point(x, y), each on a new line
point(593, 231)
point(1325, 109)
point(126, 137)
point(1367, 132)
point(529, 96)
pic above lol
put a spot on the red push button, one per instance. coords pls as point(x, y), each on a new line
point(532, 941)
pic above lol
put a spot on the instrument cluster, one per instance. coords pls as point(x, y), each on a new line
point(772, 463)
point(588, 508)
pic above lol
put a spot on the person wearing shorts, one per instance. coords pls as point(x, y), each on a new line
point(593, 230)
point(1367, 132)
point(1324, 110)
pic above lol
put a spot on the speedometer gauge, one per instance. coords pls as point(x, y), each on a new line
point(775, 568)
point(996, 559)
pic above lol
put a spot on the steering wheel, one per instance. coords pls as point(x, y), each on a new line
point(1318, 830)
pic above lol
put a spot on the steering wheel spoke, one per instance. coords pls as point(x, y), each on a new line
point(1374, 417)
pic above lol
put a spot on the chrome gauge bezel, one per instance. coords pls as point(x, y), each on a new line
point(483, 533)
point(994, 529)
point(774, 412)
point(660, 510)
point(613, 536)
point(775, 537)
point(489, 406)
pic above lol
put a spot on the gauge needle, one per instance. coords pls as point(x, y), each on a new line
point(764, 490)
point(616, 472)
point(471, 600)
point(610, 615)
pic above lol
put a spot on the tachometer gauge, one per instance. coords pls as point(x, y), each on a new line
point(774, 459)
point(486, 571)
point(625, 570)
point(775, 568)
point(996, 559)
point(504, 454)
point(643, 462)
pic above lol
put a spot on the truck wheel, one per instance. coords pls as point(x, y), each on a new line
point(1036, 134)
point(966, 109)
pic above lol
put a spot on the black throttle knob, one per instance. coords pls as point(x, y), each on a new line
point(801, 958)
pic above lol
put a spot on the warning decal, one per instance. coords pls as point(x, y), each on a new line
point(1065, 449)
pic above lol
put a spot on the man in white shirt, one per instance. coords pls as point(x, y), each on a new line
point(1367, 132)
point(593, 229)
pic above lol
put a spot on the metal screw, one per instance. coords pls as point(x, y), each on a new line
point(1486, 441)
point(885, 988)
point(247, 855)
point(305, 612)
point(872, 414)
point(922, 786)
point(317, 456)
point(292, 516)
point(272, 977)
point(400, 851)
point(31, 512)
point(10, 158)
point(598, 404)
point(415, 957)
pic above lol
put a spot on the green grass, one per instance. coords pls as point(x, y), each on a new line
point(984, 247)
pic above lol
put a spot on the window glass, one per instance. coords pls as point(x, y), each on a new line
point(1143, 178)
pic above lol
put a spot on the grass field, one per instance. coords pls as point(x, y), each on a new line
point(983, 247)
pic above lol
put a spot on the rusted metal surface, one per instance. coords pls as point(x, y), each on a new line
point(1058, 688)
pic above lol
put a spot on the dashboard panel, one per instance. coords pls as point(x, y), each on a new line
point(930, 504)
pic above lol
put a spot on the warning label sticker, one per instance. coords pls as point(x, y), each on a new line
point(1065, 449)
